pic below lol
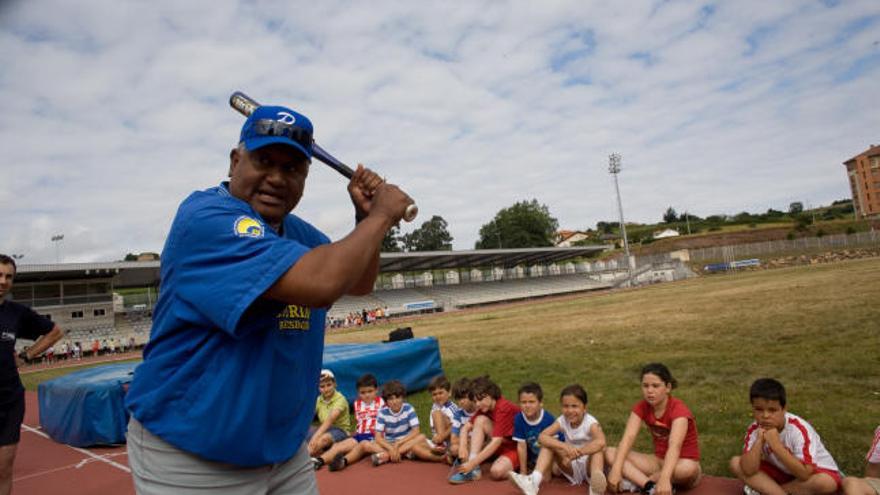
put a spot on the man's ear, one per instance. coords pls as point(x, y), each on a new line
point(233, 160)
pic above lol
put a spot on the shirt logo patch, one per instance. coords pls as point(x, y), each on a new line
point(248, 227)
point(294, 317)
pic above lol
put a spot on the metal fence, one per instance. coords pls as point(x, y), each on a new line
point(828, 242)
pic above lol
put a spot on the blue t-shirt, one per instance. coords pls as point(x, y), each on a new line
point(228, 375)
point(528, 432)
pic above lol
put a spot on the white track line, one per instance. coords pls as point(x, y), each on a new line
point(96, 457)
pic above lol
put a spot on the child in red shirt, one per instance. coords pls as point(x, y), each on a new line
point(676, 459)
point(492, 435)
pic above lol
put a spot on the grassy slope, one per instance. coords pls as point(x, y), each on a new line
point(813, 327)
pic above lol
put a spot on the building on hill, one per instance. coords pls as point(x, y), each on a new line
point(568, 238)
point(864, 181)
point(663, 234)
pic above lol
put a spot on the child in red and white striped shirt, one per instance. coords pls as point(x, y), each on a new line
point(366, 408)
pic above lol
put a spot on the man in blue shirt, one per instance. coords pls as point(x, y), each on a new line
point(225, 394)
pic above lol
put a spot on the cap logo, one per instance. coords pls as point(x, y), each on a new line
point(247, 227)
point(286, 118)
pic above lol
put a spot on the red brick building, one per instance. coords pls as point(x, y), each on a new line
point(864, 181)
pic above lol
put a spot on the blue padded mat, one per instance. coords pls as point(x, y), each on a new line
point(86, 408)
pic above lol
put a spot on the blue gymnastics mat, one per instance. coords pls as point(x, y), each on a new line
point(85, 408)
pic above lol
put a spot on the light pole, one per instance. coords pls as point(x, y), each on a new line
point(57, 240)
point(614, 169)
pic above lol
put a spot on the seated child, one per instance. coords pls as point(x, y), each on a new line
point(782, 452)
point(574, 453)
point(331, 408)
point(870, 484)
point(492, 436)
point(527, 428)
point(366, 409)
point(461, 394)
point(443, 412)
point(676, 458)
point(397, 429)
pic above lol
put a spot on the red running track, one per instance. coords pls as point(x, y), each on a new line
point(44, 466)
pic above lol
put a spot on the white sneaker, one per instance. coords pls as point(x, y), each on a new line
point(598, 483)
point(750, 491)
point(525, 483)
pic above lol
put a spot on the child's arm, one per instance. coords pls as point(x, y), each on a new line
point(676, 439)
point(597, 444)
point(442, 427)
point(381, 441)
point(325, 425)
point(626, 443)
point(548, 439)
point(522, 454)
point(797, 468)
point(487, 452)
point(750, 462)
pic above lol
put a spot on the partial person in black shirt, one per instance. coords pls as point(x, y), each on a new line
point(16, 321)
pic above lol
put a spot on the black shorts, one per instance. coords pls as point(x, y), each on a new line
point(11, 416)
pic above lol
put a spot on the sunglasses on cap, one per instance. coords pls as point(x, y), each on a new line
point(269, 127)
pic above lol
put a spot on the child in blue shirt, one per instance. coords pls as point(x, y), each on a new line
point(529, 424)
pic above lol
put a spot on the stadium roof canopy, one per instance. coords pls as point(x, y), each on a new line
point(145, 273)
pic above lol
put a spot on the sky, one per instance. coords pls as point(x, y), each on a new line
point(114, 111)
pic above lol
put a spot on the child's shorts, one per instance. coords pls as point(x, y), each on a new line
point(336, 433)
point(508, 449)
point(782, 477)
point(360, 437)
point(580, 472)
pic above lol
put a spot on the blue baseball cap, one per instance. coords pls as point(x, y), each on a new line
point(270, 125)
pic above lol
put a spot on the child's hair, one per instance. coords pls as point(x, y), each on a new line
point(439, 381)
point(531, 388)
point(327, 376)
point(393, 388)
point(482, 386)
point(575, 391)
point(6, 260)
point(462, 388)
point(767, 389)
point(660, 370)
point(367, 380)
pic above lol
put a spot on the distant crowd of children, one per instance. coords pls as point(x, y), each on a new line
point(358, 318)
point(472, 423)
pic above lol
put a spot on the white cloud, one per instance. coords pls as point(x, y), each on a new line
point(114, 112)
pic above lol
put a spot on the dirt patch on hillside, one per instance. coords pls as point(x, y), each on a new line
point(713, 240)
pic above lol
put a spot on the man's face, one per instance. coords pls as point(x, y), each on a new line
point(271, 179)
point(440, 396)
point(768, 413)
point(7, 274)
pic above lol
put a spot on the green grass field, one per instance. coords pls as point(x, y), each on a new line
point(815, 328)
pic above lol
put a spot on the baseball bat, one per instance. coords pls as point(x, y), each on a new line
point(246, 105)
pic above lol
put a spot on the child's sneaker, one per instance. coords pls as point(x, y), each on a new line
point(628, 486)
point(410, 455)
point(338, 463)
point(459, 478)
point(377, 460)
point(317, 462)
point(525, 483)
point(650, 488)
point(598, 483)
point(750, 491)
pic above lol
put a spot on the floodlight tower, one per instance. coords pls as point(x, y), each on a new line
point(614, 169)
point(57, 240)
